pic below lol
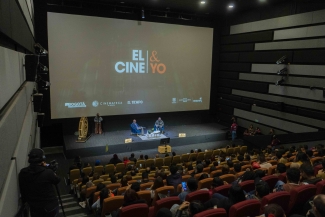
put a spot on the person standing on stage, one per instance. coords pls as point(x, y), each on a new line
point(98, 124)
point(233, 130)
point(159, 125)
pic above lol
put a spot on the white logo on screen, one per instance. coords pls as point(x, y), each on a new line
point(198, 100)
point(75, 104)
point(95, 103)
point(174, 100)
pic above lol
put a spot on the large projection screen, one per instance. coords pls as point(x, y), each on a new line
point(115, 67)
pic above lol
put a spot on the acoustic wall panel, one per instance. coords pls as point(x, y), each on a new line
point(280, 22)
point(237, 67)
point(237, 47)
point(304, 32)
point(301, 81)
point(290, 117)
point(309, 70)
point(244, 85)
point(249, 37)
point(229, 57)
point(264, 129)
point(304, 93)
point(230, 75)
point(286, 45)
point(309, 56)
point(274, 122)
point(264, 56)
point(285, 100)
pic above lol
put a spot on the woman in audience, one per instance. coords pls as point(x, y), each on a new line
point(98, 205)
point(100, 186)
point(158, 183)
point(263, 163)
point(246, 133)
point(274, 210)
point(187, 209)
point(126, 160)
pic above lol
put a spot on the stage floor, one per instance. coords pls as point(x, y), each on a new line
point(114, 141)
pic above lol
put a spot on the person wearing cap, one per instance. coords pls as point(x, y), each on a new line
point(36, 186)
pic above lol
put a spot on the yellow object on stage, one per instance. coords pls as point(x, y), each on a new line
point(83, 130)
point(164, 149)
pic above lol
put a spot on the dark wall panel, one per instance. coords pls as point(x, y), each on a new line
point(311, 114)
point(224, 90)
point(264, 56)
point(226, 109)
point(230, 97)
point(229, 57)
point(240, 67)
point(309, 56)
point(248, 37)
point(235, 104)
point(244, 85)
point(5, 17)
point(229, 75)
point(238, 47)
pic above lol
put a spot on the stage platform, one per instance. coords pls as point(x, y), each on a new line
point(114, 141)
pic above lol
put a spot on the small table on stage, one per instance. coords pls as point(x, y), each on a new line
point(154, 134)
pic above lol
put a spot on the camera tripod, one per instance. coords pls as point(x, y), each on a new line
point(59, 195)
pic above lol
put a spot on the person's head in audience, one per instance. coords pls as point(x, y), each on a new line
point(113, 179)
point(166, 155)
point(293, 175)
point(307, 171)
point(141, 157)
point(198, 162)
point(199, 168)
point(192, 151)
point(259, 173)
point(319, 205)
point(261, 158)
point(225, 169)
point(192, 184)
point(281, 168)
point(203, 176)
point(190, 167)
point(212, 168)
point(240, 158)
point(158, 183)
point(261, 188)
point(133, 173)
point(309, 153)
point(247, 157)
point(180, 169)
point(305, 147)
point(128, 178)
point(120, 176)
point(289, 155)
point(173, 169)
point(274, 210)
point(204, 164)
point(130, 196)
point(295, 165)
point(85, 179)
point(115, 156)
point(97, 162)
point(302, 157)
point(195, 207)
point(164, 212)
point(124, 182)
point(104, 193)
point(146, 157)
point(216, 182)
point(135, 186)
point(199, 150)
point(236, 193)
point(230, 163)
point(207, 162)
point(100, 186)
point(278, 155)
point(215, 163)
point(95, 176)
point(248, 175)
point(237, 167)
point(174, 153)
point(129, 168)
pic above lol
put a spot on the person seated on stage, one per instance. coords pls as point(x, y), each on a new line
point(115, 160)
point(159, 125)
point(135, 128)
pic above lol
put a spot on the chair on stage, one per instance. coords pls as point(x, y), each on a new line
point(157, 128)
point(135, 130)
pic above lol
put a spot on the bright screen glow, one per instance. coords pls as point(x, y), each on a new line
point(114, 66)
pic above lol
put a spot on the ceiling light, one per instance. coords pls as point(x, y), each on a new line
point(230, 6)
point(202, 2)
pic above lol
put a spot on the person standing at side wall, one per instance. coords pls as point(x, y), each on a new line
point(233, 130)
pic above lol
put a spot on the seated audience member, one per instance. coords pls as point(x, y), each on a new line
point(280, 168)
point(310, 154)
point(307, 172)
point(261, 189)
point(198, 169)
point(225, 169)
point(295, 165)
point(274, 210)
point(237, 169)
point(230, 164)
point(246, 133)
point(271, 132)
point(215, 163)
point(280, 158)
point(321, 173)
point(97, 163)
point(258, 131)
point(95, 176)
point(76, 164)
point(216, 182)
point(141, 157)
point(135, 186)
point(133, 173)
point(158, 183)
point(207, 162)
point(259, 174)
point(126, 160)
point(113, 179)
point(263, 163)
point(164, 212)
point(100, 186)
point(187, 209)
point(132, 158)
point(203, 176)
point(97, 205)
point(130, 197)
point(302, 158)
point(173, 154)
point(212, 168)
point(146, 157)
point(115, 160)
point(240, 158)
point(251, 130)
point(293, 178)
point(166, 155)
point(145, 177)
point(248, 175)
point(191, 187)
point(248, 158)
point(174, 179)
point(275, 142)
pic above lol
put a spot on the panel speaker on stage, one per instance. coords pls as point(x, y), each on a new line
point(98, 124)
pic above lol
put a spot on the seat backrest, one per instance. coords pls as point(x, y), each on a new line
point(185, 157)
point(200, 156)
point(90, 190)
point(236, 150)
point(113, 186)
point(200, 195)
point(281, 198)
point(163, 190)
point(320, 187)
point(167, 202)
point(130, 163)
point(248, 185)
point(74, 174)
point(104, 177)
point(120, 167)
point(272, 170)
point(176, 159)
point(96, 182)
point(244, 168)
point(167, 161)
point(144, 186)
point(283, 177)
point(186, 177)
point(109, 169)
point(159, 162)
point(208, 154)
point(240, 174)
point(146, 195)
point(220, 212)
point(223, 190)
point(216, 152)
point(243, 150)
point(300, 195)
point(87, 170)
point(139, 209)
point(206, 170)
point(142, 162)
point(230, 151)
point(228, 178)
point(121, 190)
point(149, 162)
point(191, 156)
point(213, 173)
point(111, 204)
point(245, 208)
point(288, 165)
point(273, 162)
point(317, 168)
point(197, 176)
point(271, 180)
point(98, 169)
point(136, 177)
point(205, 183)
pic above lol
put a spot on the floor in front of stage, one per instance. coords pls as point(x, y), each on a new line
point(113, 142)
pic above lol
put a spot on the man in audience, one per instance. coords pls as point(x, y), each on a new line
point(192, 185)
point(174, 179)
point(280, 168)
point(318, 207)
point(280, 158)
point(145, 177)
point(199, 169)
point(261, 189)
point(240, 158)
point(135, 186)
point(307, 172)
point(230, 164)
point(115, 160)
point(293, 178)
point(263, 163)
point(132, 158)
point(237, 169)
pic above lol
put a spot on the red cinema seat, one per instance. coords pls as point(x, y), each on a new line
point(200, 195)
point(140, 209)
point(271, 181)
point(245, 208)
point(167, 202)
point(281, 198)
point(248, 185)
point(320, 187)
point(223, 190)
point(212, 213)
point(317, 168)
point(299, 196)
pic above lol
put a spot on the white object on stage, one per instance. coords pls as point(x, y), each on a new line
point(151, 137)
point(153, 134)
